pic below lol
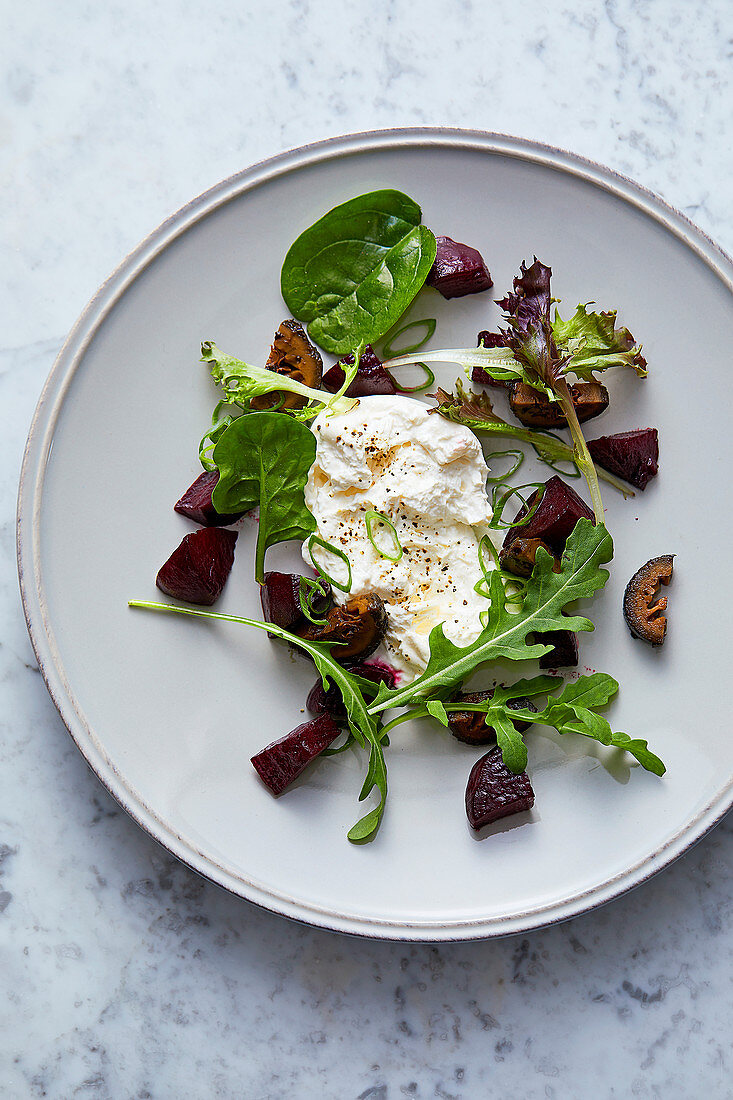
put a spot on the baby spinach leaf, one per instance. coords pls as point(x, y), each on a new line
point(264, 459)
point(353, 273)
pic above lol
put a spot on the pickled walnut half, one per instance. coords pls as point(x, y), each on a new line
point(360, 623)
point(294, 356)
point(644, 618)
point(470, 726)
point(535, 410)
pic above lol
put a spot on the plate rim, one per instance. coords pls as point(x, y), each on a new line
point(30, 494)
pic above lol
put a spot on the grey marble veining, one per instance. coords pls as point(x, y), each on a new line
point(124, 974)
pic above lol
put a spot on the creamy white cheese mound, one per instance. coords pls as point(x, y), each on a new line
point(429, 476)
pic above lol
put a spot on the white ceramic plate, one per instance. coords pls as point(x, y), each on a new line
point(168, 710)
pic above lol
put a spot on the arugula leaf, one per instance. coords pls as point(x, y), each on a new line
point(353, 273)
point(436, 708)
point(241, 382)
point(573, 711)
point(595, 344)
point(362, 724)
point(264, 459)
point(546, 595)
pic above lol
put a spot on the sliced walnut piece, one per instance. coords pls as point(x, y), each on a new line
point(643, 617)
point(360, 623)
point(470, 726)
point(535, 410)
point(294, 356)
point(590, 399)
point(518, 557)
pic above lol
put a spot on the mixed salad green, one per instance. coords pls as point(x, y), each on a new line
point(350, 277)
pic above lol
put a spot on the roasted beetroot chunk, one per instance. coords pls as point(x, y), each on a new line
point(493, 791)
point(331, 701)
point(478, 374)
point(554, 519)
point(458, 270)
point(634, 456)
point(283, 761)
point(197, 570)
point(280, 599)
point(565, 652)
point(370, 378)
point(196, 503)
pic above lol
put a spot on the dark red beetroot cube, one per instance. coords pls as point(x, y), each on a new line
point(197, 505)
point(280, 599)
point(478, 374)
point(565, 652)
point(458, 270)
point(370, 378)
point(634, 456)
point(331, 701)
point(555, 517)
point(198, 569)
point(493, 791)
point(283, 761)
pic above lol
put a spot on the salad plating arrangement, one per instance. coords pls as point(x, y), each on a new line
point(417, 580)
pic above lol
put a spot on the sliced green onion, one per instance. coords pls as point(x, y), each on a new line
point(371, 517)
point(316, 540)
point(388, 351)
point(500, 504)
point(519, 459)
point(429, 379)
point(219, 424)
point(307, 592)
point(543, 456)
point(487, 544)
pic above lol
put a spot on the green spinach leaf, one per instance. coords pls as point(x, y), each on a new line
point(352, 274)
point(264, 459)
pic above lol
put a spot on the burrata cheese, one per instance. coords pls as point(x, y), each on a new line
point(428, 475)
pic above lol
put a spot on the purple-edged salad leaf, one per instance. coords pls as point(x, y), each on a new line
point(475, 410)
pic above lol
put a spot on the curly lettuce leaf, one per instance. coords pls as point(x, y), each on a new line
point(241, 382)
point(594, 343)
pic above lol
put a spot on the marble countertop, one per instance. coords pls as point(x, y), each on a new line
point(126, 975)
